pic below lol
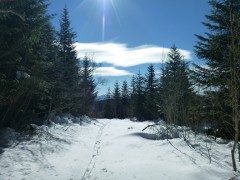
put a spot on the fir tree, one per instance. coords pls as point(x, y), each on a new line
point(138, 97)
point(68, 66)
point(132, 96)
point(26, 48)
point(175, 89)
point(125, 99)
point(219, 49)
point(117, 100)
point(108, 108)
point(151, 87)
point(87, 86)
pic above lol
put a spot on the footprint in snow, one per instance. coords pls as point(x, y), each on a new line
point(104, 170)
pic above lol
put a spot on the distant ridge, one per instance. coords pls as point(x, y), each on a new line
point(101, 98)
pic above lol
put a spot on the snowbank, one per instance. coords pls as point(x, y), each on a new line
point(61, 151)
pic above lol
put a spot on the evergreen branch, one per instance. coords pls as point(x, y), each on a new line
point(14, 13)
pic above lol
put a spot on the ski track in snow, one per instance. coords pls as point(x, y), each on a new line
point(127, 153)
point(114, 150)
point(96, 151)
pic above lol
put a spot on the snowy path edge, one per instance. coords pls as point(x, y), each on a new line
point(95, 153)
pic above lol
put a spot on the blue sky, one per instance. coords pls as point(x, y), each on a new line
point(126, 35)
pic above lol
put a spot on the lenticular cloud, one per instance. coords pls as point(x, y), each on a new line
point(121, 55)
point(111, 71)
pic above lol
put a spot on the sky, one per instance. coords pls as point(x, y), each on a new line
point(125, 36)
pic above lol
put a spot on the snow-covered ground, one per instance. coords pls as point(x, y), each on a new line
point(112, 149)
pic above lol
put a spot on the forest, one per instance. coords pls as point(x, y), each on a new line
point(41, 75)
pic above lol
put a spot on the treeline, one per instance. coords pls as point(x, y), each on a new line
point(203, 96)
point(40, 73)
point(152, 96)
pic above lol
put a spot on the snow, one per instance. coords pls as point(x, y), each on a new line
point(113, 149)
point(58, 152)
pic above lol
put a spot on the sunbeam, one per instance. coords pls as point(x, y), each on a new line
point(81, 4)
point(115, 11)
point(104, 9)
point(103, 20)
point(103, 28)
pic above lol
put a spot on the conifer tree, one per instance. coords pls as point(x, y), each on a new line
point(108, 108)
point(175, 89)
point(26, 46)
point(219, 49)
point(125, 99)
point(68, 66)
point(132, 96)
point(138, 97)
point(151, 92)
point(117, 100)
point(87, 86)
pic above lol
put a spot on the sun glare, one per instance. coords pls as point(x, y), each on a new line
point(103, 6)
point(106, 4)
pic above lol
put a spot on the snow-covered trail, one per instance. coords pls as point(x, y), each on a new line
point(126, 153)
point(62, 155)
point(112, 150)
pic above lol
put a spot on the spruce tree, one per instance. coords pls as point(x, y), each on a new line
point(132, 96)
point(117, 101)
point(108, 107)
point(26, 45)
point(216, 49)
point(175, 89)
point(151, 88)
point(68, 66)
point(219, 49)
point(125, 99)
point(139, 97)
point(87, 87)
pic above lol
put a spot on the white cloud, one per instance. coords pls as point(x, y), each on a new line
point(119, 54)
point(111, 71)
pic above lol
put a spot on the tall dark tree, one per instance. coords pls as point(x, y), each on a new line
point(117, 100)
point(87, 86)
point(132, 96)
point(138, 97)
point(151, 93)
point(68, 65)
point(125, 99)
point(219, 49)
point(175, 89)
point(26, 48)
point(108, 106)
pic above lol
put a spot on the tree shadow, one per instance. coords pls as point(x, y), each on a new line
point(147, 136)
